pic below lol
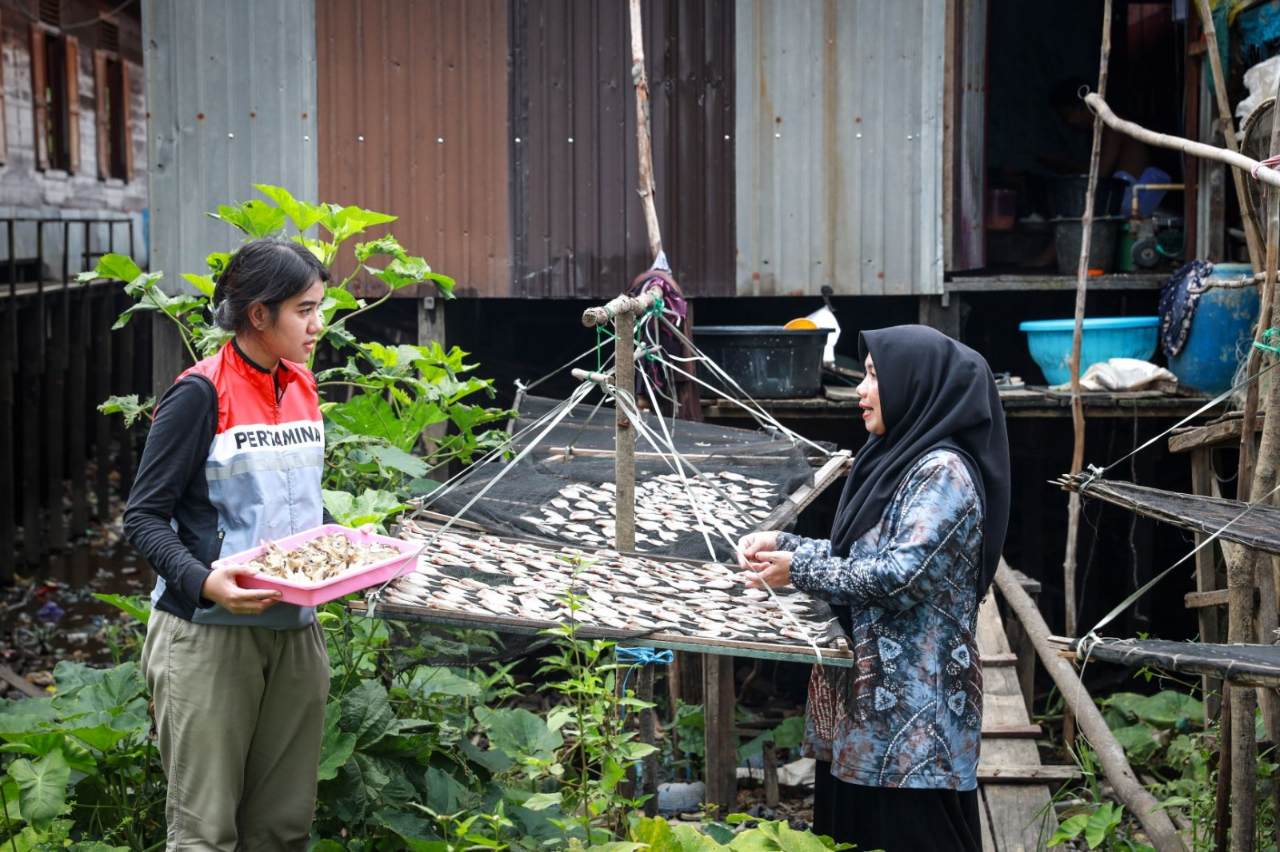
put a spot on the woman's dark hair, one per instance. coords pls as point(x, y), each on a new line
point(269, 271)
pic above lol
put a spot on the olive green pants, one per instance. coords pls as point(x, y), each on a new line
point(239, 715)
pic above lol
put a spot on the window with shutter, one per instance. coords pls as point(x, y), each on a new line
point(111, 104)
point(55, 94)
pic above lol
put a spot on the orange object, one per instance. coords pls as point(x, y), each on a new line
point(801, 323)
point(1095, 272)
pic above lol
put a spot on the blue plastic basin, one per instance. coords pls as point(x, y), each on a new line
point(1103, 338)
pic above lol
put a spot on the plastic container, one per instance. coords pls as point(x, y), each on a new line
point(1066, 196)
point(1103, 338)
point(768, 361)
point(1067, 234)
point(312, 594)
point(1220, 330)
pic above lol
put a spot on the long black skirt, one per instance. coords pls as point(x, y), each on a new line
point(895, 819)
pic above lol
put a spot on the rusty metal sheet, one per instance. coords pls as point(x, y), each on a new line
point(577, 225)
point(413, 122)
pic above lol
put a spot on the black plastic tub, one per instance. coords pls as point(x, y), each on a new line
point(768, 361)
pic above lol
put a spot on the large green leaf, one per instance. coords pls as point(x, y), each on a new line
point(39, 744)
point(345, 222)
point(1101, 823)
point(42, 787)
point(137, 606)
point(366, 713)
point(112, 267)
point(371, 507)
point(304, 215)
point(336, 745)
point(26, 715)
point(430, 681)
point(203, 283)
point(414, 830)
point(516, 731)
point(1070, 829)
point(1167, 709)
point(494, 760)
point(398, 460)
point(255, 218)
point(114, 696)
point(445, 794)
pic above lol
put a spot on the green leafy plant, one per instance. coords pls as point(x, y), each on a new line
point(597, 749)
point(378, 400)
point(80, 764)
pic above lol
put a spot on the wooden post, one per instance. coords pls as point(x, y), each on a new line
point(644, 142)
point(624, 459)
point(431, 328)
point(1077, 401)
point(78, 389)
point(1256, 568)
point(1252, 239)
point(1259, 477)
point(105, 311)
point(32, 375)
point(769, 759)
point(721, 754)
point(1206, 580)
point(648, 736)
point(1131, 792)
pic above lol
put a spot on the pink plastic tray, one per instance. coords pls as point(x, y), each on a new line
point(311, 594)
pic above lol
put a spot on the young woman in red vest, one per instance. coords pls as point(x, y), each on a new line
point(235, 455)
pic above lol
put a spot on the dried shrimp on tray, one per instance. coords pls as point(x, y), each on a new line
point(324, 563)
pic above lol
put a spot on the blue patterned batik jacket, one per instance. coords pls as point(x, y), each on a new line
point(912, 716)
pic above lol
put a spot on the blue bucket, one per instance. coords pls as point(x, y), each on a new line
point(1220, 330)
point(1103, 338)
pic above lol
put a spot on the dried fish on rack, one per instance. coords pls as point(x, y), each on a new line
point(487, 579)
point(666, 509)
point(321, 558)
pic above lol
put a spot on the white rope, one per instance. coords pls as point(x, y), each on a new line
point(1091, 638)
point(1193, 415)
point(564, 409)
point(458, 479)
point(621, 399)
point(719, 371)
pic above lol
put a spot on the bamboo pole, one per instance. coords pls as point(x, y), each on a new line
point(1260, 478)
point(644, 143)
point(1144, 806)
point(1077, 335)
point(1252, 240)
point(1177, 143)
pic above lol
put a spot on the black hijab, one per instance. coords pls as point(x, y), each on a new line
point(934, 393)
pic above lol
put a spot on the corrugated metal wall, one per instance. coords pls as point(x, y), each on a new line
point(577, 226)
point(413, 122)
point(231, 93)
point(839, 156)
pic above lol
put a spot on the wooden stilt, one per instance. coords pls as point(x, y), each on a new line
point(32, 378)
point(104, 317)
point(1077, 401)
point(77, 387)
point(721, 749)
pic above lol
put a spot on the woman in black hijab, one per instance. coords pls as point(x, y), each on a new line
point(915, 544)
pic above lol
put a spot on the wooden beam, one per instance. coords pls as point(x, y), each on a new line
point(1032, 774)
point(20, 683)
point(1205, 601)
point(719, 701)
point(1028, 731)
point(1111, 757)
point(1217, 434)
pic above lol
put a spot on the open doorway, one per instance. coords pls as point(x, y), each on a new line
point(1038, 137)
